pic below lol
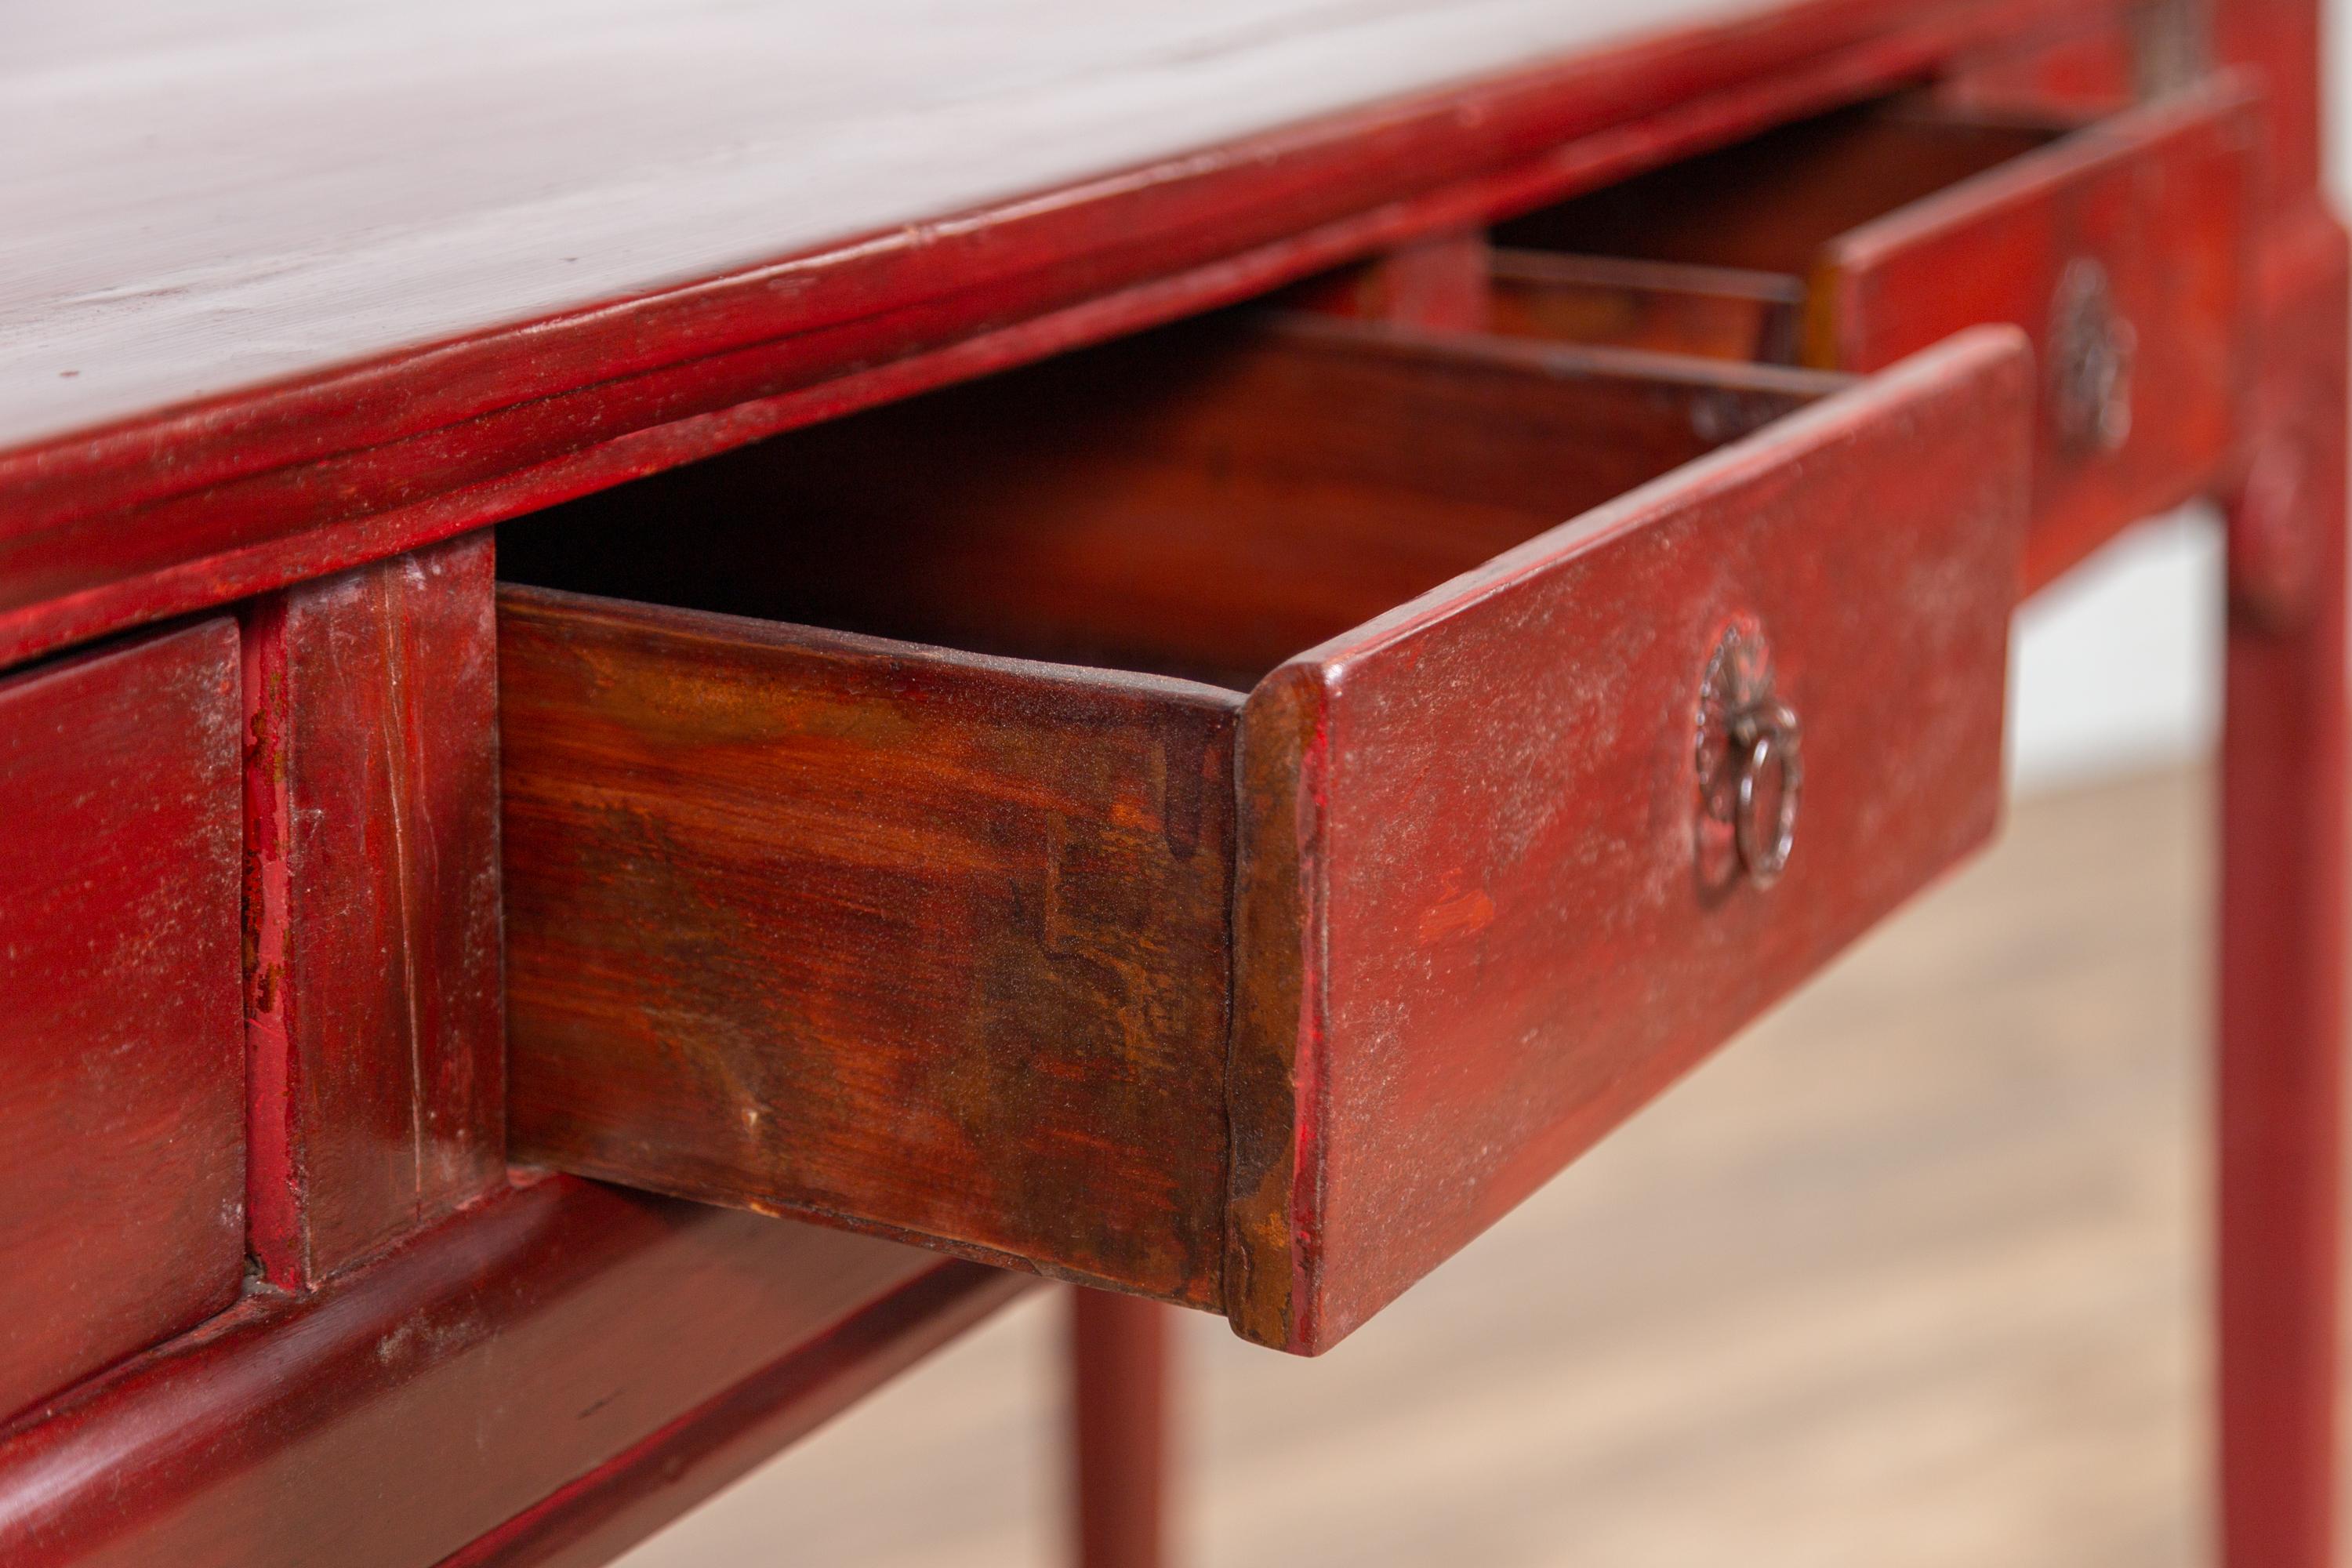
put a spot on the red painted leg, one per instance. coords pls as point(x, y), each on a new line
point(2281, 1076)
point(1119, 1431)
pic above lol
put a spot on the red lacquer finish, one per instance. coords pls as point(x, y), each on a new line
point(2280, 1079)
point(2284, 932)
point(2098, 61)
point(2120, 248)
point(290, 481)
point(441, 1364)
point(1482, 911)
point(542, 1379)
point(121, 1209)
point(2281, 42)
point(377, 1058)
point(2136, 227)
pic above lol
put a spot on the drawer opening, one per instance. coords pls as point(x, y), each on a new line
point(1203, 501)
point(1008, 957)
point(1712, 255)
point(2116, 242)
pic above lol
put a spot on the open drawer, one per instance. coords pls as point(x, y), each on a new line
point(1191, 963)
point(1851, 241)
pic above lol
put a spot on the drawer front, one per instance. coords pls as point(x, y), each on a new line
point(2120, 251)
point(122, 1074)
point(1492, 893)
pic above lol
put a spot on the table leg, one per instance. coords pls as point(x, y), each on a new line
point(2280, 1079)
point(1119, 1428)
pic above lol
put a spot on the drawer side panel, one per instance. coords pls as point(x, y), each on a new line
point(928, 944)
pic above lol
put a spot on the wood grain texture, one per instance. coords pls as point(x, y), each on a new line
point(542, 1379)
point(679, 1467)
point(2157, 198)
point(377, 1061)
point(122, 1077)
point(930, 943)
point(344, 463)
point(1475, 924)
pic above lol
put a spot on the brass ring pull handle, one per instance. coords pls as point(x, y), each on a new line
point(1750, 766)
point(1768, 738)
point(2091, 351)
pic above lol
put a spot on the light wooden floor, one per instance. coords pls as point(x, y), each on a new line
point(1912, 1274)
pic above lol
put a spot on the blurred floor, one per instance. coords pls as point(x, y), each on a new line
point(1912, 1274)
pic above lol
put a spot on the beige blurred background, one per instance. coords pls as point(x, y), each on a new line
point(1913, 1273)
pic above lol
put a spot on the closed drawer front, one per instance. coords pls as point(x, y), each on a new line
point(1852, 241)
point(1188, 963)
point(122, 1070)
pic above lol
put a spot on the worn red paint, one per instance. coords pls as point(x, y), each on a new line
point(2280, 1079)
point(1895, 228)
point(375, 1055)
point(1392, 1100)
point(189, 1454)
point(2183, 170)
point(443, 1401)
point(285, 482)
point(1463, 914)
point(273, 1195)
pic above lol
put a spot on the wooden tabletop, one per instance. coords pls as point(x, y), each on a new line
point(287, 287)
point(209, 197)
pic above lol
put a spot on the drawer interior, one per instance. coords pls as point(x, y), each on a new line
point(1719, 312)
point(1205, 501)
point(1711, 256)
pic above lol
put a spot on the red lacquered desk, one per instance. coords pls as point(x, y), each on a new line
point(491, 1013)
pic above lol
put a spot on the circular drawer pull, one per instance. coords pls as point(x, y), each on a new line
point(1751, 764)
point(1767, 737)
point(2092, 348)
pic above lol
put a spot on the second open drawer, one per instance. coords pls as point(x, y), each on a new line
point(961, 846)
point(2118, 245)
